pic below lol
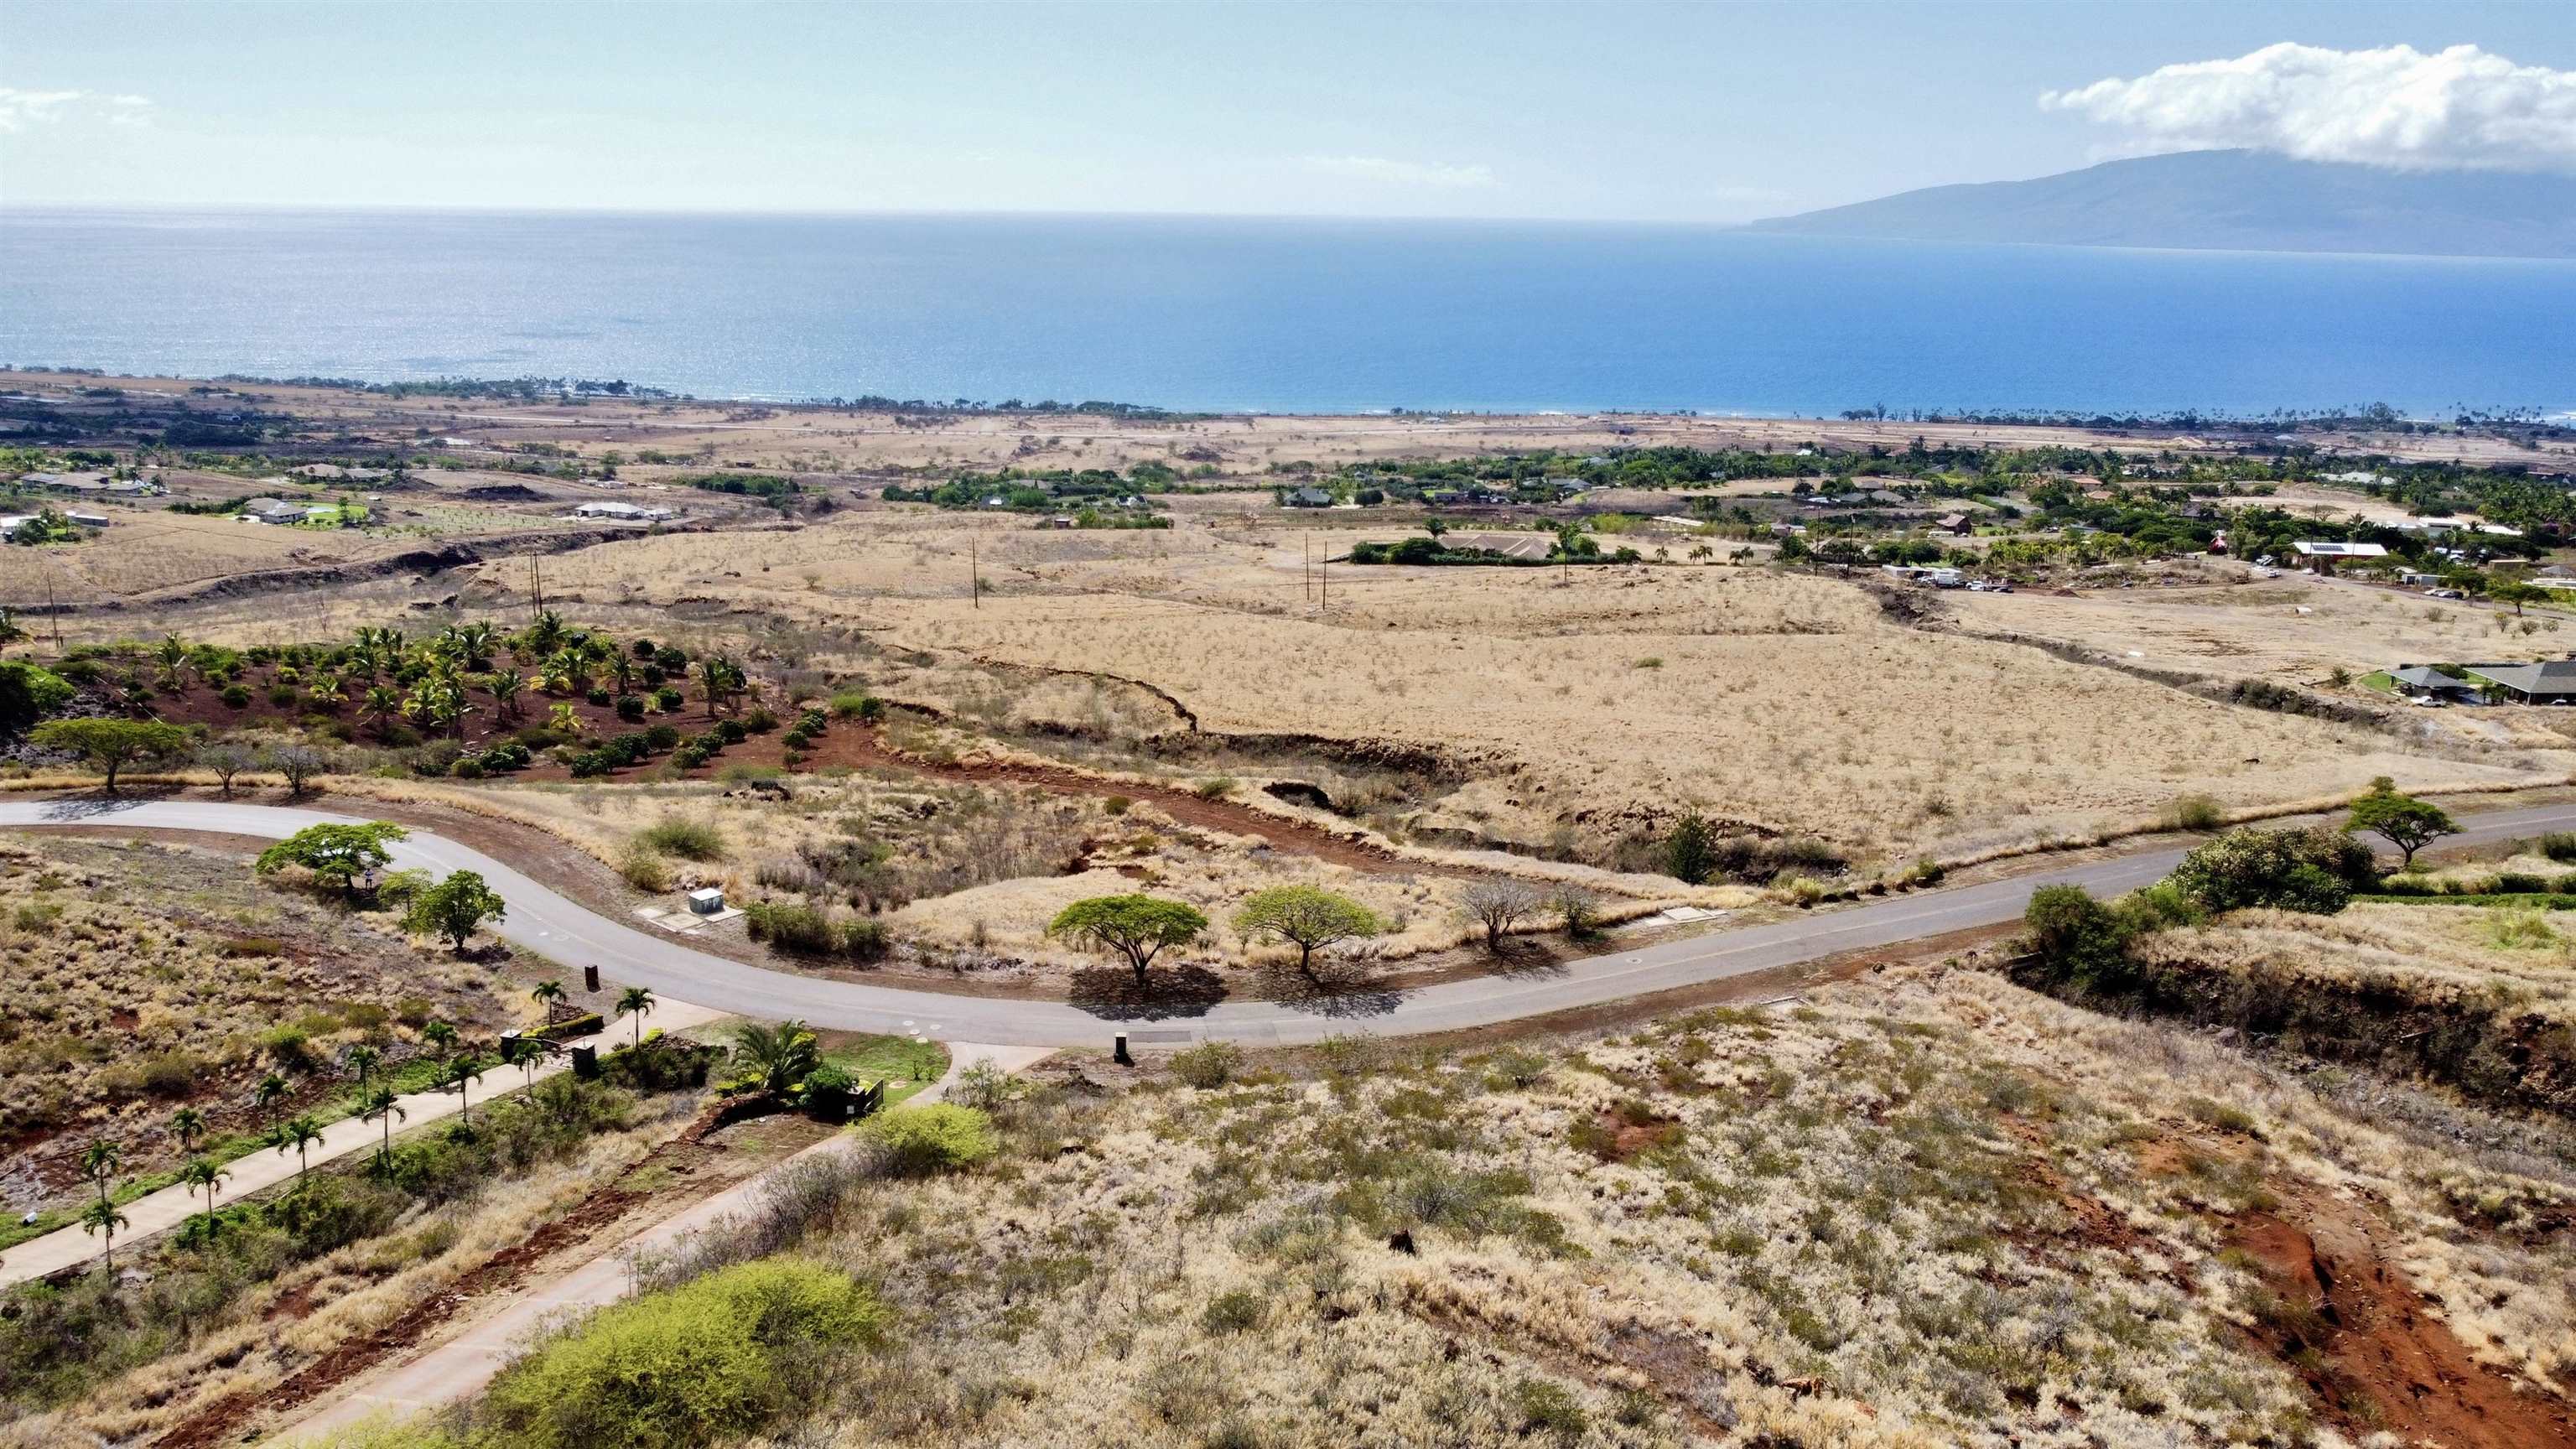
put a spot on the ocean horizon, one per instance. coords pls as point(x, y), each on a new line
point(1275, 315)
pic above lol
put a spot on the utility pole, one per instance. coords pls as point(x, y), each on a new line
point(1309, 581)
point(54, 609)
point(536, 588)
point(1325, 572)
point(975, 572)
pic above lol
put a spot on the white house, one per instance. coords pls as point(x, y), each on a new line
point(622, 512)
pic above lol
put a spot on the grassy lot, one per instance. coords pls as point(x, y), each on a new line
point(908, 1066)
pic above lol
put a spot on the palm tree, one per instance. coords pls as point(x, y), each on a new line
point(456, 1076)
point(362, 1060)
point(621, 668)
point(520, 1052)
point(505, 687)
point(546, 994)
point(637, 1002)
point(782, 1055)
point(382, 1103)
point(380, 706)
point(300, 1133)
point(272, 1089)
point(188, 1124)
point(172, 655)
point(102, 1217)
point(201, 1175)
point(440, 1036)
point(99, 1162)
point(715, 679)
point(546, 634)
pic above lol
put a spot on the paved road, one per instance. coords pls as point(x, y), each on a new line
point(544, 921)
point(451, 1368)
point(157, 1212)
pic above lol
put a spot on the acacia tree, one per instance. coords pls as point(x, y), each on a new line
point(224, 762)
point(1499, 905)
point(336, 854)
point(453, 908)
point(1136, 927)
point(1305, 917)
point(111, 744)
point(2401, 820)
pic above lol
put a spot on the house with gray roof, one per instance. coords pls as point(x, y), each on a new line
point(2423, 681)
point(2551, 681)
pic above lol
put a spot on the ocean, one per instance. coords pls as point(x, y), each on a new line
point(1276, 315)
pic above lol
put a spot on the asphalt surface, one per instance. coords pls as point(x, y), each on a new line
point(544, 921)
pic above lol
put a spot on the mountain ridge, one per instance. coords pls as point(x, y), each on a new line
point(2229, 201)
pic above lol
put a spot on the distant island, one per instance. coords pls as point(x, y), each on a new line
point(2231, 201)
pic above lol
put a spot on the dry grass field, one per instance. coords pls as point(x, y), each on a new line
point(1931, 1209)
point(142, 975)
point(1788, 703)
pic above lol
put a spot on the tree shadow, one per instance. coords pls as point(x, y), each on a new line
point(98, 804)
point(1523, 959)
point(1111, 993)
point(1334, 988)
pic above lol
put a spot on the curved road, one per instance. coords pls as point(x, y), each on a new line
point(544, 921)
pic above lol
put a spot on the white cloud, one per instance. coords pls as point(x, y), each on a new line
point(20, 109)
point(1404, 173)
point(2459, 108)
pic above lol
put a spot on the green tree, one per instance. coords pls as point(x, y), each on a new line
point(102, 1217)
point(1136, 927)
point(361, 1060)
point(779, 1056)
point(189, 1126)
point(546, 994)
point(299, 1132)
point(454, 908)
point(637, 1002)
point(2401, 820)
point(112, 744)
point(1305, 917)
point(1690, 851)
point(272, 1089)
point(2517, 593)
point(2313, 870)
point(336, 854)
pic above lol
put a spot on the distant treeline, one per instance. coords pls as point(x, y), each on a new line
point(518, 388)
point(2379, 417)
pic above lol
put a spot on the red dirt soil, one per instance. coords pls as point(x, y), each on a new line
point(2381, 1345)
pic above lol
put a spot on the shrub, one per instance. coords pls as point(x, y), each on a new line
point(2075, 937)
point(598, 696)
point(731, 731)
point(643, 869)
point(630, 707)
point(1240, 1311)
point(806, 930)
point(796, 739)
point(662, 737)
point(697, 840)
point(860, 939)
point(667, 699)
point(941, 1137)
point(1209, 1064)
point(713, 1359)
point(2314, 870)
point(849, 706)
point(469, 767)
point(235, 696)
point(2560, 847)
point(1550, 1408)
point(2194, 812)
point(759, 720)
point(1216, 788)
point(1690, 853)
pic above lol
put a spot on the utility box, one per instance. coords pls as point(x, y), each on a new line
point(585, 1063)
point(706, 902)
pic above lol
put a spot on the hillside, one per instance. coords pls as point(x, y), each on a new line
point(2229, 201)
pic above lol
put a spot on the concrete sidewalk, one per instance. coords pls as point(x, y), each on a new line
point(463, 1364)
point(161, 1211)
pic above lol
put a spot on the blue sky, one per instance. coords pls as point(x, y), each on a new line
point(1702, 113)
